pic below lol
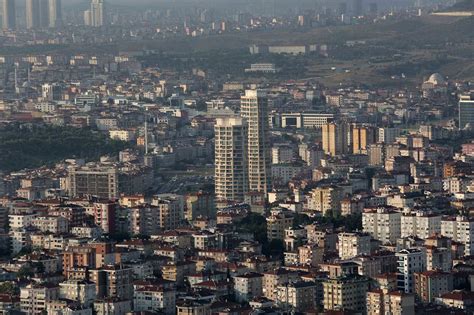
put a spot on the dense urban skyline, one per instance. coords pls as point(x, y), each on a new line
point(248, 157)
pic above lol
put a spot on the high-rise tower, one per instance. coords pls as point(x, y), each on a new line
point(335, 139)
point(9, 14)
point(230, 159)
point(254, 108)
point(97, 14)
point(32, 14)
point(466, 112)
point(55, 13)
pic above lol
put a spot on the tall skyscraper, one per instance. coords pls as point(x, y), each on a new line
point(362, 136)
point(466, 111)
point(231, 181)
point(254, 108)
point(9, 14)
point(357, 7)
point(43, 13)
point(32, 13)
point(55, 13)
point(334, 138)
point(95, 16)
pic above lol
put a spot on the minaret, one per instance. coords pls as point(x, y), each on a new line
point(17, 91)
point(146, 135)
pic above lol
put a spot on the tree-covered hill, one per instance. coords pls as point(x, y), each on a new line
point(28, 147)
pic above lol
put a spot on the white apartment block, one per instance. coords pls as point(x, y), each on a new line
point(299, 296)
point(460, 229)
point(78, 290)
point(282, 154)
point(409, 261)
point(155, 299)
point(52, 224)
point(248, 286)
point(457, 184)
point(384, 224)
point(231, 177)
point(33, 298)
point(121, 134)
point(20, 221)
point(326, 200)
point(420, 225)
point(353, 244)
point(254, 108)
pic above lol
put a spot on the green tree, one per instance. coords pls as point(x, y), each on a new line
point(8, 287)
point(256, 224)
point(274, 248)
point(25, 272)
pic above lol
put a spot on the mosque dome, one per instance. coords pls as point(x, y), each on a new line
point(436, 79)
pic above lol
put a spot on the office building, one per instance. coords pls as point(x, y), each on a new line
point(254, 108)
point(9, 14)
point(334, 138)
point(231, 174)
point(466, 111)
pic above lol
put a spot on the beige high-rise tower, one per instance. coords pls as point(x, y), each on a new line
point(55, 13)
point(9, 14)
point(254, 108)
point(231, 181)
point(362, 136)
point(334, 138)
point(32, 14)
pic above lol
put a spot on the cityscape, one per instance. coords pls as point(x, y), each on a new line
point(246, 157)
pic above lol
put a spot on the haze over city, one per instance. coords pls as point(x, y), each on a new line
point(246, 157)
